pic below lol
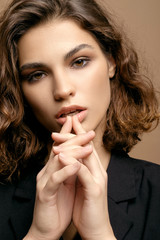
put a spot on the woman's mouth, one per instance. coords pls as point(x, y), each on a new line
point(61, 116)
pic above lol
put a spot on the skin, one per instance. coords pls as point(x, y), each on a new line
point(71, 70)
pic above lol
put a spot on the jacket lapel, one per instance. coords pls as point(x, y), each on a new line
point(121, 188)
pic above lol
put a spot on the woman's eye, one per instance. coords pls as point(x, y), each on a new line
point(80, 63)
point(36, 76)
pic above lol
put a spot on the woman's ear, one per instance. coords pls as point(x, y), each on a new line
point(112, 66)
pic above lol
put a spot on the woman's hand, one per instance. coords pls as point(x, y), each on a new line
point(56, 200)
point(54, 197)
point(90, 213)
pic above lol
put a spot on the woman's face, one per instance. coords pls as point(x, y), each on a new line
point(64, 72)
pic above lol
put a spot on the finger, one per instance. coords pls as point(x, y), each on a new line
point(59, 177)
point(77, 153)
point(83, 173)
point(94, 166)
point(77, 126)
point(77, 140)
point(61, 138)
point(67, 126)
point(53, 165)
point(86, 178)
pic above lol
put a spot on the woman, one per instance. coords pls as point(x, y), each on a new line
point(73, 103)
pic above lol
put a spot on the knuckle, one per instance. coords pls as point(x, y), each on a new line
point(40, 197)
point(54, 179)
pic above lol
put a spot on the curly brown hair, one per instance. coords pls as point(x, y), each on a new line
point(133, 106)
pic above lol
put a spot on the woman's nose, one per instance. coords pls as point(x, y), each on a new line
point(63, 88)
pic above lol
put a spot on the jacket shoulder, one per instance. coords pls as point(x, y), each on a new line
point(148, 170)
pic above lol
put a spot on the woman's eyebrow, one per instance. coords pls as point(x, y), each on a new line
point(32, 66)
point(77, 49)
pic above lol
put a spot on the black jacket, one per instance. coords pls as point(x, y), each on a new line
point(133, 198)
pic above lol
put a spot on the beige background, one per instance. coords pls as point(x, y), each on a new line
point(141, 19)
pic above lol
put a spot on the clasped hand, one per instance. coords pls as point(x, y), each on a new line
point(71, 187)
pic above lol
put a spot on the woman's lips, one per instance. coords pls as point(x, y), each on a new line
point(71, 111)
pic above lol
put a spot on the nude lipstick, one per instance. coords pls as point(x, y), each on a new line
point(61, 116)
